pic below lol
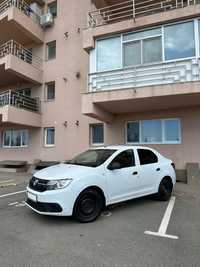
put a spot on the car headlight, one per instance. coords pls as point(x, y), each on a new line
point(58, 184)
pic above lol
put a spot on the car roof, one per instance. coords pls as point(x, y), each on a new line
point(122, 147)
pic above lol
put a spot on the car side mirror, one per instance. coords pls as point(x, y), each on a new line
point(114, 166)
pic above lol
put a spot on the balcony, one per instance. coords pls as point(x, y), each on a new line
point(19, 22)
point(135, 14)
point(16, 108)
point(18, 64)
point(166, 85)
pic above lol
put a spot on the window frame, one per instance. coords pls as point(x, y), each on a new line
point(196, 25)
point(91, 136)
point(10, 138)
point(146, 149)
point(47, 50)
point(45, 137)
point(46, 91)
point(163, 142)
point(133, 158)
point(52, 3)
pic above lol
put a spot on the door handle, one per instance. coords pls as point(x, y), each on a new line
point(158, 169)
point(135, 173)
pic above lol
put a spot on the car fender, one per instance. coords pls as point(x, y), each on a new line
point(167, 172)
point(96, 180)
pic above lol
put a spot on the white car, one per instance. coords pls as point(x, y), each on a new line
point(98, 178)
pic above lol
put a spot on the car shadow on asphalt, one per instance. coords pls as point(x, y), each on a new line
point(146, 202)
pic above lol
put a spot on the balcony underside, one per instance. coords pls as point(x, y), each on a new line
point(13, 70)
point(15, 116)
point(16, 25)
point(105, 105)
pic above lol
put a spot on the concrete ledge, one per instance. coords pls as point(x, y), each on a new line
point(193, 173)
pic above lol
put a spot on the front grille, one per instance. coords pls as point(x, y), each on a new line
point(38, 184)
point(44, 207)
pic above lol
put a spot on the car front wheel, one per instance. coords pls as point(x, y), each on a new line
point(165, 189)
point(88, 206)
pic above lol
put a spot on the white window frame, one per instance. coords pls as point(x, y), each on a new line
point(46, 91)
point(13, 130)
point(45, 137)
point(196, 40)
point(47, 50)
point(90, 135)
point(164, 141)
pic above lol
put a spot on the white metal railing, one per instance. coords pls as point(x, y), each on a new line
point(133, 9)
point(18, 100)
point(22, 5)
point(16, 49)
point(145, 75)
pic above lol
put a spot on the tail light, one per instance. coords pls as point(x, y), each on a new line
point(173, 165)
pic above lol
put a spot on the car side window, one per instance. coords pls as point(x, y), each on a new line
point(147, 156)
point(125, 159)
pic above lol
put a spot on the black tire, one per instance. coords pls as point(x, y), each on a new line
point(165, 189)
point(88, 206)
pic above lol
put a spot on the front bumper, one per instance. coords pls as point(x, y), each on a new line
point(55, 202)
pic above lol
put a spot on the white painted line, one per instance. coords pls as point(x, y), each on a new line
point(12, 194)
point(165, 222)
point(22, 204)
point(12, 204)
point(6, 181)
point(161, 235)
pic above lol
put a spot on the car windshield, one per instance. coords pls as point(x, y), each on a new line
point(92, 158)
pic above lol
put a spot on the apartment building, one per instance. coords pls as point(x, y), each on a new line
point(75, 74)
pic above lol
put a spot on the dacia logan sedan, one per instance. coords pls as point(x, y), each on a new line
point(100, 177)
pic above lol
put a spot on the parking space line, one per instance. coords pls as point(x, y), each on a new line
point(165, 222)
point(12, 204)
point(12, 194)
point(6, 181)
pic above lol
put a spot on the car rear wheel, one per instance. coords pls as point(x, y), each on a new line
point(88, 206)
point(165, 189)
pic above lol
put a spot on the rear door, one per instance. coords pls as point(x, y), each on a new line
point(149, 170)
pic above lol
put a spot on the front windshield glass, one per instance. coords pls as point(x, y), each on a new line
point(92, 158)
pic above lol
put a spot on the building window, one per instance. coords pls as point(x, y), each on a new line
point(151, 131)
point(97, 134)
point(51, 50)
point(52, 8)
point(108, 53)
point(160, 44)
point(179, 40)
point(49, 136)
point(15, 138)
point(142, 47)
point(50, 91)
point(162, 131)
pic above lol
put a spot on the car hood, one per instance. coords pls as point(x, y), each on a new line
point(63, 171)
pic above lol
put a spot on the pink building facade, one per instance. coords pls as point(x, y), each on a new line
point(79, 74)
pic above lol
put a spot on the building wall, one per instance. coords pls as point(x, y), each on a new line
point(70, 59)
point(187, 151)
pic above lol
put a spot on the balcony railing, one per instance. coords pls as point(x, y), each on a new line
point(145, 75)
point(16, 49)
point(22, 6)
point(19, 100)
point(133, 9)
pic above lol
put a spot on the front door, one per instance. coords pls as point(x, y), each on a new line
point(123, 180)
